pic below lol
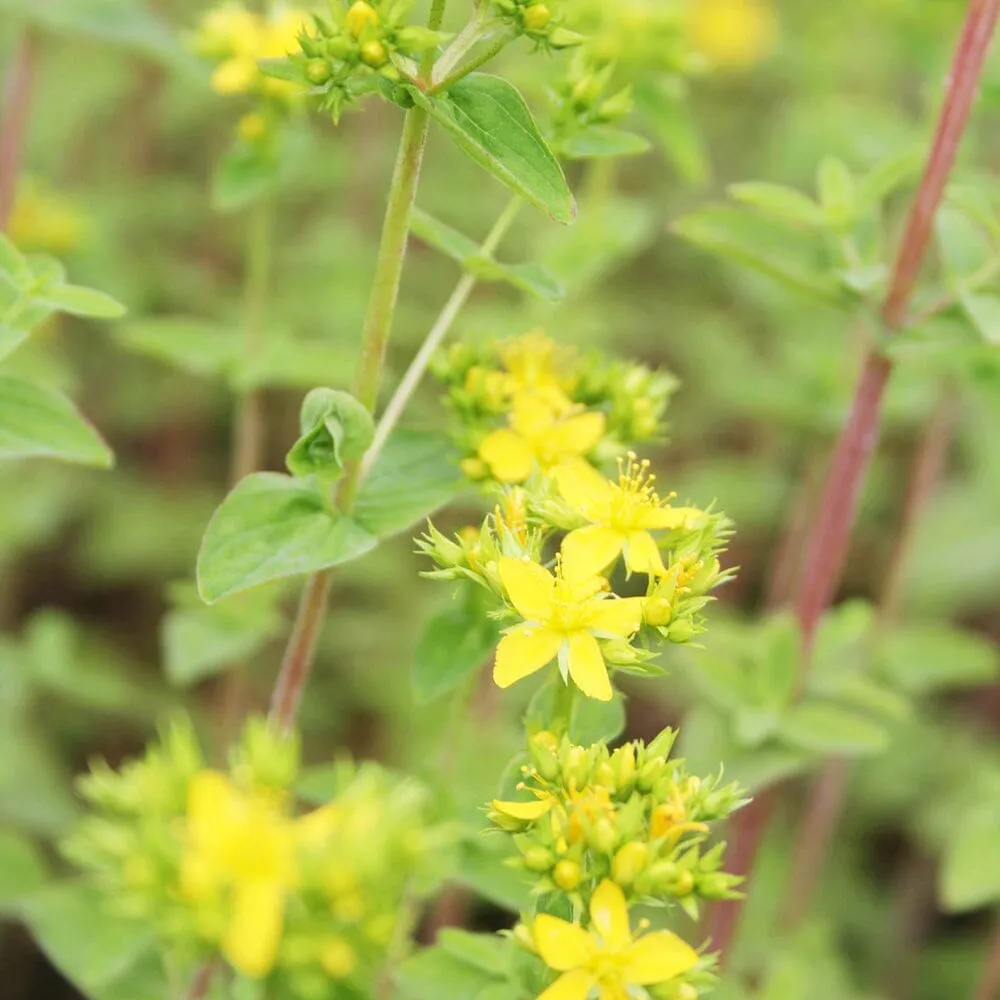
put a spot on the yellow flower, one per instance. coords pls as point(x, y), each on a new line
point(241, 851)
point(235, 76)
point(537, 435)
point(42, 220)
point(564, 616)
point(732, 34)
point(607, 957)
point(621, 516)
point(536, 366)
point(226, 31)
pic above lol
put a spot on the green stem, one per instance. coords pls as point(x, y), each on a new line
point(473, 64)
point(418, 366)
point(296, 665)
point(434, 22)
point(474, 32)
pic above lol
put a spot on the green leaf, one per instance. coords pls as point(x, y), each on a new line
point(963, 244)
point(922, 658)
point(594, 721)
point(14, 265)
point(970, 873)
point(482, 866)
point(489, 121)
point(244, 175)
point(829, 729)
point(600, 141)
point(531, 278)
point(415, 474)
point(91, 948)
point(199, 642)
point(193, 345)
point(11, 339)
point(437, 974)
point(488, 952)
point(270, 527)
point(837, 195)
point(777, 664)
point(22, 870)
point(335, 429)
point(885, 177)
point(454, 643)
point(36, 421)
point(782, 203)
point(676, 126)
point(983, 311)
point(80, 301)
point(742, 237)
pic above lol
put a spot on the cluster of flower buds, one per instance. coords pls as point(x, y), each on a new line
point(632, 816)
point(526, 404)
point(225, 861)
point(543, 21)
point(354, 49)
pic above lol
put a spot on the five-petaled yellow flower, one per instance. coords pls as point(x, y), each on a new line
point(539, 435)
point(241, 852)
point(607, 957)
point(537, 366)
point(621, 517)
point(564, 617)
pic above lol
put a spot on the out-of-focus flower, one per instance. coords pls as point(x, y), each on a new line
point(732, 34)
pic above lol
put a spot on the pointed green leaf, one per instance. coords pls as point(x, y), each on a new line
point(193, 345)
point(837, 195)
point(80, 301)
point(443, 237)
point(270, 527)
point(885, 177)
point(782, 203)
point(416, 473)
point(489, 120)
point(757, 244)
point(36, 421)
point(970, 873)
point(11, 339)
point(829, 729)
point(14, 265)
point(600, 141)
point(983, 311)
point(455, 642)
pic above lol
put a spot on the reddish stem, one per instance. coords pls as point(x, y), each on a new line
point(989, 981)
point(14, 120)
point(827, 548)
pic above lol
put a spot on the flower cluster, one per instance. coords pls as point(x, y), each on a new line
point(551, 405)
point(236, 39)
point(570, 613)
point(631, 816)
point(543, 21)
point(44, 221)
point(355, 48)
point(224, 862)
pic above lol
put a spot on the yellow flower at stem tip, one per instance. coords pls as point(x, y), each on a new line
point(539, 435)
point(242, 847)
point(607, 957)
point(536, 366)
point(621, 514)
point(732, 34)
point(564, 617)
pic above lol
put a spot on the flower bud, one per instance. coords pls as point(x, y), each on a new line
point(537, 858)
point(318, 71)
point(338, 958)
point(716, 885)
point(649, 774)
point(374, 54)
point(537, 17)
point(524, 937)
point(604, 775)
point(576, 767)
point(567, 875)
point(543, 748)
point(682, 631)
point(623, 762)
point(360, 17)
point(603, 836)
point(629, 862)
point(252, 127)
point(683, 884)
point(657, 611)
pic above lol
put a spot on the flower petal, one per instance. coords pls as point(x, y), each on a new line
point(251, 939)
point(529, 586)
point(570, 986)
point(575, 435)
point(609, 913)
point(642, 554)
point(315, 828)
point(587, 667)
point(654, 518)
point(523, 651)
point(526, 811)
point(658, 957)
point(508, 454)
point(211, 801)
point(587, 551)
point(618, 616)
point(531, 416)
point(562, 945)
point(585, 488)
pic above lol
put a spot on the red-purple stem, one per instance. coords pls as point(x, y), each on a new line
point(989, 981)
point(827, 547)
point(18, 86)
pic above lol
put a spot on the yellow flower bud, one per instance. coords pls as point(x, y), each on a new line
point(567, 875)
point(474, 468)
point(536, 17)
point(543, 748)
point(685, 991)
point(252, 127)
point(537, 858)
point(603, 836)
point(629, 862)
point(318, 71)
point(604, 774)
point(684, 884)
point(338, 958)
point(361, 16)
point(623, 761)
point(374, 54)
point(576, 768)
point(665, 817)
point(235, 76)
